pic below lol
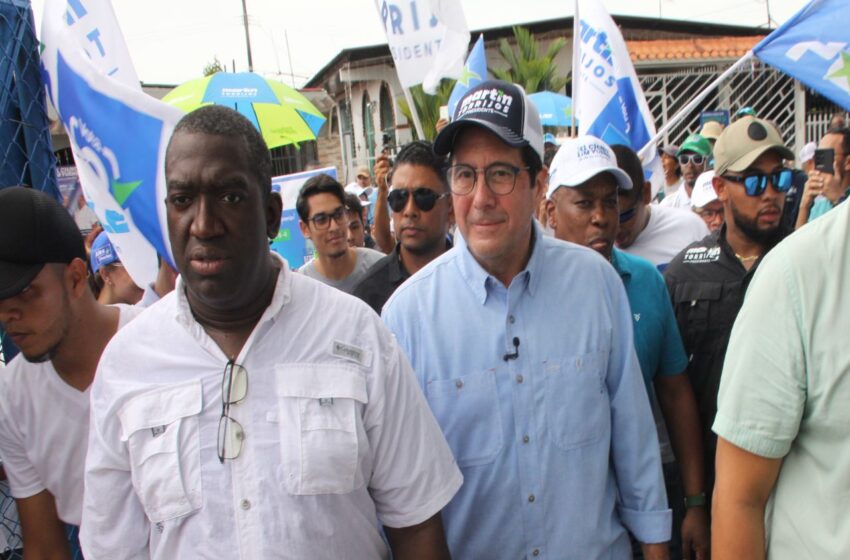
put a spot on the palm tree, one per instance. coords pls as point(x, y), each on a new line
point(527, 67)
point(428, 107)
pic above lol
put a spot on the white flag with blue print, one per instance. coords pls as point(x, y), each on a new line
point(814, 47)
point(428, 39)
point(608, 101)
point(118, 134)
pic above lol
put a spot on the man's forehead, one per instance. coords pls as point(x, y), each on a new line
point(768, 161)
point(414, 175)
point(471, 139)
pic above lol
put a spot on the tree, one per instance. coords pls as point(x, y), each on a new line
point(213, 67)
point(527, 67)
point(428, 107)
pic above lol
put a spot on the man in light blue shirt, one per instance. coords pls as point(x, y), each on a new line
point(523, 347)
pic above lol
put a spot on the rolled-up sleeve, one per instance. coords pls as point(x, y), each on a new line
point(642, 506)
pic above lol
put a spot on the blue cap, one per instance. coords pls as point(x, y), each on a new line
point(549, 138)
point(102, 252)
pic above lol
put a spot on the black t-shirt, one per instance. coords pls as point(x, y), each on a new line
point(381, 281)
point(707, 284)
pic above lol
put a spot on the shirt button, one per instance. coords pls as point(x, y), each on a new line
point(531, 497)
point(519, 378)
point(245, 504)
point(526, 439)
point(535, 552)
point(459, 383)
point(511, 319)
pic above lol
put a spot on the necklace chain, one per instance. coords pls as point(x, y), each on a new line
point(747, 259)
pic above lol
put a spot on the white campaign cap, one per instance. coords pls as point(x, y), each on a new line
point(807, 152)
point(580, 159)
point(703, 190)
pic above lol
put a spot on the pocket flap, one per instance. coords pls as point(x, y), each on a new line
point(691, 291)
point(161, 407)
point(320, 381)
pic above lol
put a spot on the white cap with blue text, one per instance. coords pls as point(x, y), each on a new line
point(703, 190)
point(580, 159)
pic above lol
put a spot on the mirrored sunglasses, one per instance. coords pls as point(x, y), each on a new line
point(755, 183)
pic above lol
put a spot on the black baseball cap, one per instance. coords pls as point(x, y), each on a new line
point(34, 230)
point(502, 108)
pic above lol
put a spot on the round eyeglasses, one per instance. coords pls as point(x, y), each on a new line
point(499, 177)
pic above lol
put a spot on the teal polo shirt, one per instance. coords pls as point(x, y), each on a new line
point(657, 341)
point(822, 205)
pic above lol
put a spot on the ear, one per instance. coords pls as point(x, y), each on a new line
point(76, 278)
point(552, 214)
point(305, 229)
point(541, 181)
point(104, 275)
point(647, 193)
point(274, 210)
point(720, 188)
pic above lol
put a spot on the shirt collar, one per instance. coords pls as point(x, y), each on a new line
point(282, 295)
point(621, 264)
point(481, 281)
point(397, 271)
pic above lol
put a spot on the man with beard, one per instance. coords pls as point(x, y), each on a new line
point(324, 221)
point(693, 155)
point(421, 207)
point(50, 313)
point(254, 412)
point(707, 281)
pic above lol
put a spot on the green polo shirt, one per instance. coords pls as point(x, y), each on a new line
point(785, 389)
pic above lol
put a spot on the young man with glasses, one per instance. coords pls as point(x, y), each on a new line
point(254, 412)
point(421, 206)
point(324, 221)
point(707, 281)
point(523, 346)
point(693, 156)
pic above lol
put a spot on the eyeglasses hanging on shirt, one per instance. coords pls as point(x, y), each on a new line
point(234, 388)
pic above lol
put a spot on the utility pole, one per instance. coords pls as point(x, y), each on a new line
point(247, 36)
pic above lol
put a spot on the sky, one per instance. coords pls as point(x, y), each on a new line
point(171, 41)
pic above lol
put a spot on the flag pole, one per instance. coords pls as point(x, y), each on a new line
point(575, 69)
point(696, 100)
point(414, 113)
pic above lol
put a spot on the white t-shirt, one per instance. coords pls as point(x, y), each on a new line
point(338, 437)
point(365, 259)
point(679, 199)
point(44, 427)
point(668, 231)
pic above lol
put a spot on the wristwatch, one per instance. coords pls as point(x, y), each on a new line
point(696, 500)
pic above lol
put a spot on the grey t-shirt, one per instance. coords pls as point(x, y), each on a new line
point(365, 259)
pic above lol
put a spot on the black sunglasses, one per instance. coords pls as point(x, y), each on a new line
point(755, 182)
point(424, 198)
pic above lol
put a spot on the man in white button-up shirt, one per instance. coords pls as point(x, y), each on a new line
point(255, 413)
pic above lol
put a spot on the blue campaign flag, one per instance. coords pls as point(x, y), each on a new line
point(474, 72)
point(812, 47)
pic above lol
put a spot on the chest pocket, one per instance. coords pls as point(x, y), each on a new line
point(322, 436)
point(693, 302)
point(467, 409)
point(162, 432)
point(577, 408)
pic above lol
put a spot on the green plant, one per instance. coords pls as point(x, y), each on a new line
point(213, 67)
point(527, 66)
point(427, 106)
